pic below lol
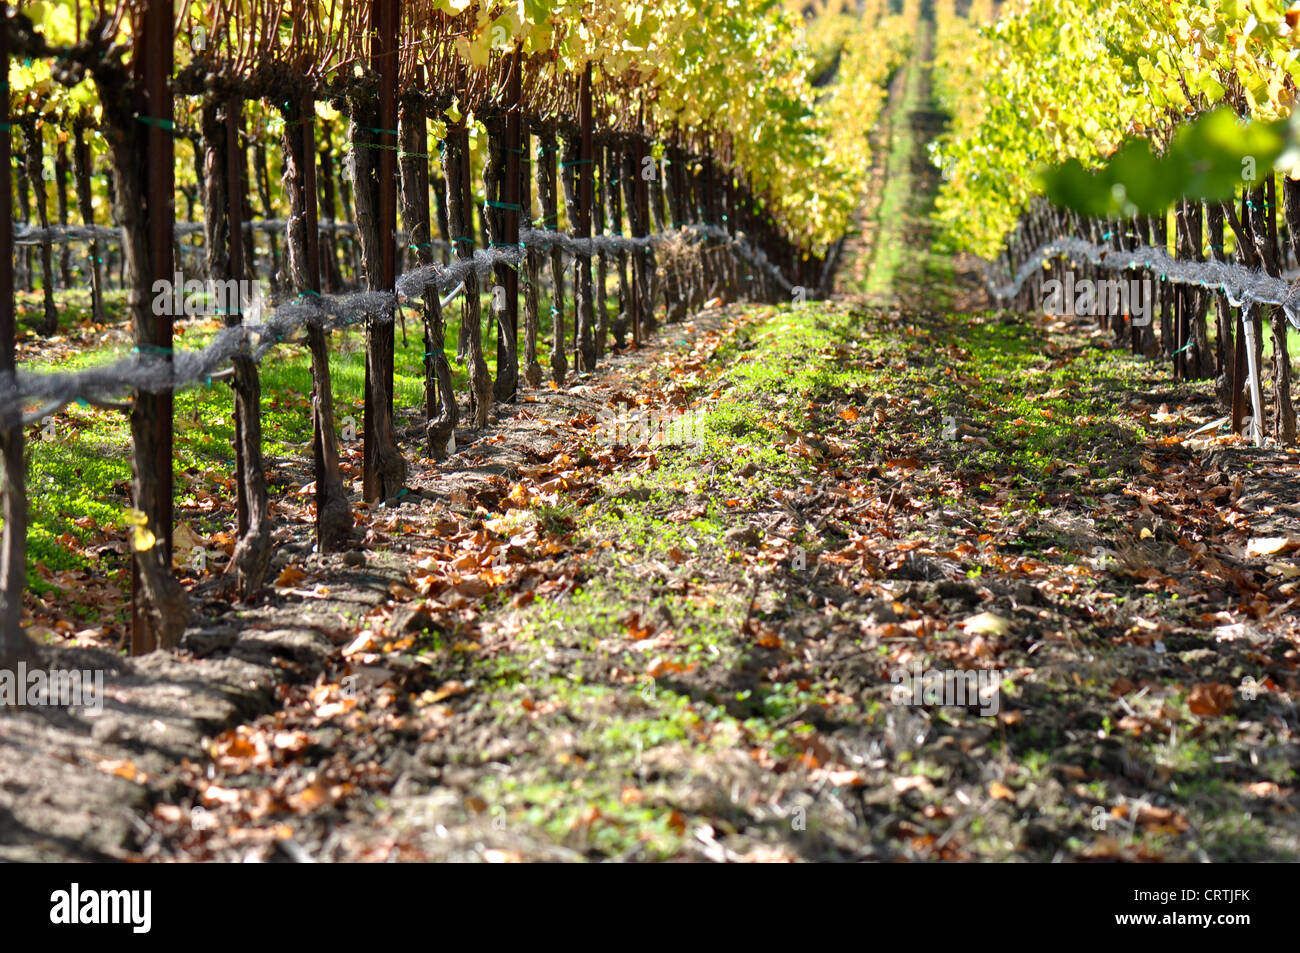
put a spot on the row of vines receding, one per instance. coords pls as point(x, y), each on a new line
point(564, 175)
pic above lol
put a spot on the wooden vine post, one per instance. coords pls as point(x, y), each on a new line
point(413, 163)
point(220, 169)
point(1284, 415)
point(440, 401)
point(628, 181)
point(375, 180)
point(710, 213)
point(331, 278)
point(61, 166)
point(388, 26)
point(13, 548)
point(82, 162)
point(1251, 246)
point(507, 278)
point(159, 606)
point(383, 469)
point(1224, 325)
point(600, 191)
point(533, 270)
point(637, 198)
point(614, 207)
point(676, 308)
point(546, 192)
point(460, 211)
point(584, 332)
point(1282, 360)
point(34, 141)
point(699, 263)
point(1240, 363)
point(570, 163)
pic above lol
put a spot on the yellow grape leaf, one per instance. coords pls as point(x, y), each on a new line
point(142, 538)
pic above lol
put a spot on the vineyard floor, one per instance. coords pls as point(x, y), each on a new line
point(567, 647)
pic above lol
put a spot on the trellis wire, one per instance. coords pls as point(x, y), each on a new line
point(1242, 286)
point(265, 327)
point(63, 234)
point(584, 247)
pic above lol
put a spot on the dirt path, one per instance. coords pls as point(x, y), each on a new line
point(580, 640)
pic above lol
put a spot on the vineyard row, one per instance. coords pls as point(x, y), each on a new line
point(719, 238)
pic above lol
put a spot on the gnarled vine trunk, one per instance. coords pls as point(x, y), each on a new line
point(333, 515)
point(225, 259)
point(385, 467)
